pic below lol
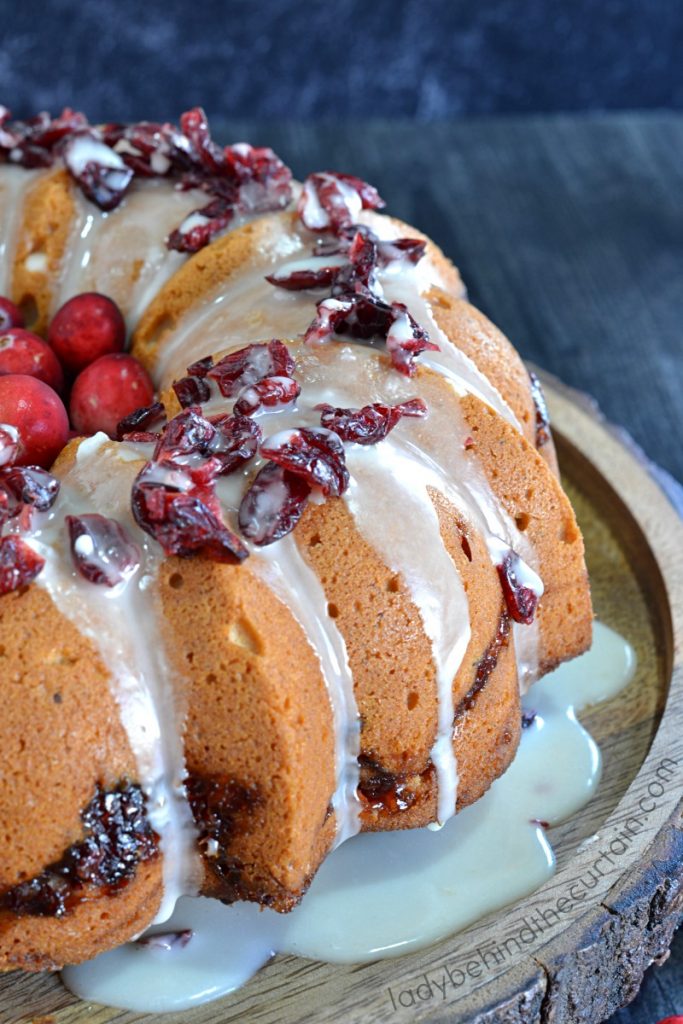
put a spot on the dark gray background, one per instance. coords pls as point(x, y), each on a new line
point(568, 230)
point(427, 59)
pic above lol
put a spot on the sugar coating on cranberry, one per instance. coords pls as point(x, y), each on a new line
point(37, 414)
point(370, 424)
point(10, 315)
point(102, 551)
point(29, 485)
point(273, 504)
point(19, 564)
point(313, 453)
point(85, 328)
point(24, 352)
point(107, 391)
point(270, 393)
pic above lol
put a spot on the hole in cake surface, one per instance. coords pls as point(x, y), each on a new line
point(332, 610)
point(29, 307)
point(466, 548)
point(242, 634)
point(315, 540)
point(413, 700)
point(393, 585)
point(522, 521)
point(175, 581)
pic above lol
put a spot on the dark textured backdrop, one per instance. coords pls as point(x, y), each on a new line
point(428, 59)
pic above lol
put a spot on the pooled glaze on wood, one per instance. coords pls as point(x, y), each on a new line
point(584, 960)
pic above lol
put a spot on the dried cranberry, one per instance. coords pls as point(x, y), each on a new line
point(315, 454)
point(101, 549)
point(300, 280)
point(100, 172)
point(521, 598)
point(19, 564)
point(330, 201)
point(166, 941)
point(366, 317)
point(249, 365)
point(141, 420)
point(141, 437)
point(269, 392)
point(542, 417)
point(9, 444)
point(180, 520)
point(186, 433)
point(192, 391)
point(370, 424)
point(30, 485)
point(235, 442)
point(32, 143)
point(401, 250)
point(201, 367)
point(273, 505)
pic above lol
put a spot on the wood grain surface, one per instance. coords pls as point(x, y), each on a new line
point(577, 948)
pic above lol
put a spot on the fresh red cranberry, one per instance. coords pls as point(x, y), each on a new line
point(520, 597)
point(10, 315)
point(19, 564)
point(9, 444)
point(24, 352)
point(39, 416)
point(370, 424)
point(101, 549)
point(107, 391)
point(85, 328)
point(267, 393)
point(273, 504)
point(315, 454)
point(330, 201)
point(249, 365)
point(141, 420)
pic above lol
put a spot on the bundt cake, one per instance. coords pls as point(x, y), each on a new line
point(298, 595)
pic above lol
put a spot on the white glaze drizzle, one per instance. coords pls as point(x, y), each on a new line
point(417, 886)
point(123, 253)
point(14, 184)
point(124, 624)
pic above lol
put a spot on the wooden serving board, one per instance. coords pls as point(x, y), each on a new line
point(577, 948)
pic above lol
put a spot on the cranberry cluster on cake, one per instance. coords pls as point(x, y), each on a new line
point(283, 537)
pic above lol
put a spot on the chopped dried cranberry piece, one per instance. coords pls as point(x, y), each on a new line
point(166, 941)
point(273, 505)
point(19, 564)
point(194, 126)
point(521, 588)
point(315, 454)
point(401, 250)
point(201, 226)
point(192, 391)
point(32, 143)
point(186, 433)
point(330, 201)
point(101, 549)
point(370, 424)
point(249, 365)
point(300, 280)
point(269, 392)
point(182, 523)
point(542, 417)
point(141, 437)
point(235, 442)
point(100, 172)
point(30, 485)
point(201, 367)
point(9, 444)
point(141, 420)
point(528, 719)
point(367, 317)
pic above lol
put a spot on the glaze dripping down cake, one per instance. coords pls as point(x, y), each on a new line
point(296, 597)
